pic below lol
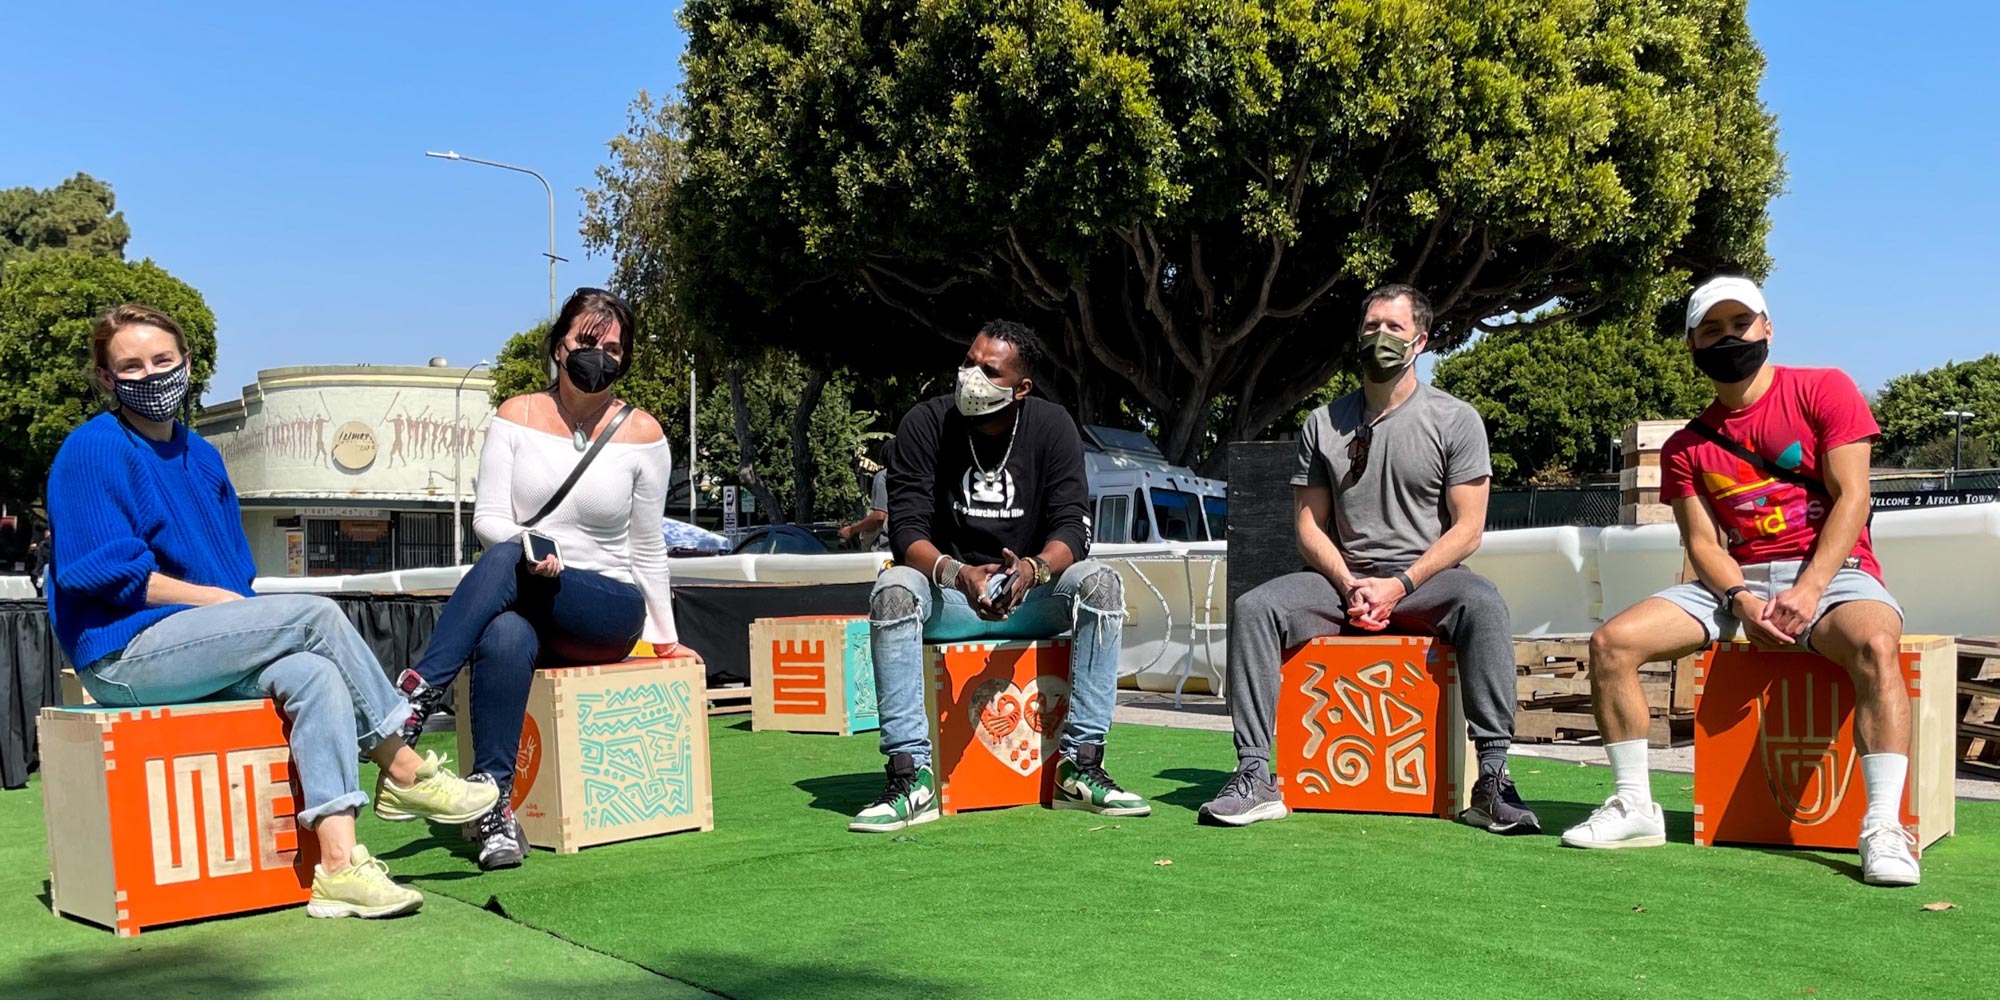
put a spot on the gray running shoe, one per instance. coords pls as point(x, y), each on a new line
point(1249, 797)
point(1497, 807)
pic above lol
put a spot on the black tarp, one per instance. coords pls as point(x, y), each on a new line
point(713, 618)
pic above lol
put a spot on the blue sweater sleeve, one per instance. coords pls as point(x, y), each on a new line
point(244, 564)
point(98, 551)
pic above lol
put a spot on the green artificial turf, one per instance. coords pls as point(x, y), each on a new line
point(780, 901)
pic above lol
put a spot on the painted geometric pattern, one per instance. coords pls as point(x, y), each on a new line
point(861, 709)
point(638, 753)
point(1365, 727)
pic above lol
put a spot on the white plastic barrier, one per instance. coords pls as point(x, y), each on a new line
point(1634, 563)
point(1944, 568)
point(1546, 575)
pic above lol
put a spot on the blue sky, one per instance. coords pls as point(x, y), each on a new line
point(272, 156)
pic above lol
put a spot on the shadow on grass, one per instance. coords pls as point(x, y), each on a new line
point(739, 727)
point(193, 970)
point(1840, 866)
point(845, 794)
point(1559, 816)
point(1198, 785)
point(745, 975)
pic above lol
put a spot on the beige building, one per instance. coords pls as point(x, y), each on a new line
point(353, 468)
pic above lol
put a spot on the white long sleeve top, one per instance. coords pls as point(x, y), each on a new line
point(609, 523)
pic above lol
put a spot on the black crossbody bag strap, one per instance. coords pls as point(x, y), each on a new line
point(603, 437)
point(1809, 483)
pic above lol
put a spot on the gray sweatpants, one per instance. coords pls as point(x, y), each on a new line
point(1459, 606)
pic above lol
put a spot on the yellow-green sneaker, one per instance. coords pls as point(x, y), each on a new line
point(438, 795)
point(362, 889)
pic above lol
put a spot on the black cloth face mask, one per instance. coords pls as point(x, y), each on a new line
point(1732, 359)
point(592, 369)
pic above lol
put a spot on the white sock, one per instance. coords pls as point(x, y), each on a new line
point(1628, 773)
point(1883, 774)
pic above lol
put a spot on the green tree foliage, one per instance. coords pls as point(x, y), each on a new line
point(1942, 451)
point(1188, 197)
point(1554, 395)
point(78, 214)
point(48, 300)
point(1911, 408)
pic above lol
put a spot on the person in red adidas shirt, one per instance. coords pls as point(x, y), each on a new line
point(1770, 489)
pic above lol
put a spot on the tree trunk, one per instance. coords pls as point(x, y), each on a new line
point(746, 448)
point(804, 470)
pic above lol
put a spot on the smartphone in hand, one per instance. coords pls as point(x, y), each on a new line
point(996, 586)
point(536, 547)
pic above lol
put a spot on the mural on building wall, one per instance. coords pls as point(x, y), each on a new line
point(401, 437)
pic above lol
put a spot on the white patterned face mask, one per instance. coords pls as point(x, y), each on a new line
point(158, 396)
point(979, 396)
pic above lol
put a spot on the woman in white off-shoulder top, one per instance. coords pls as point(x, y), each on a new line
point(606, 588)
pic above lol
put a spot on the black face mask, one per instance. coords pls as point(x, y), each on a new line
point(591, 369)
point(1732, 359)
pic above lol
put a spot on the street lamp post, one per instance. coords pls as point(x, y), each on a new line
point(457, 470)
point(1958, 418)
point(551, 192)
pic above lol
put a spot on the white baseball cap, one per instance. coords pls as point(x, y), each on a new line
point(1725, 289)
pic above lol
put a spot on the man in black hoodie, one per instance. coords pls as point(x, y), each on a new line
point(989, 520)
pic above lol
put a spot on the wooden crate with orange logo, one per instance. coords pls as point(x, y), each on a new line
point(171, 813)
point(1373, 724)
point(608, 753)
point(1775, 757)
point(996, 712)
point(813, 674)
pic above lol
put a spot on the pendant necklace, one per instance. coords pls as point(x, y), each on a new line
point(577, 437)
point(987, 486)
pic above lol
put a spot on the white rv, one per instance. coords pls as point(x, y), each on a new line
point(1136, 496)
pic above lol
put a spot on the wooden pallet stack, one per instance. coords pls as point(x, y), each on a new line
point(1979, 702)
point(1639, 480)
point(1552, 685)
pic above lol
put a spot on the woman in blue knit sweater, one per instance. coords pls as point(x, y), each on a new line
point(149, 594)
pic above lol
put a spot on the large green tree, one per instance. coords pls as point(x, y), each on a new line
point(48, 300)
point(78, 214)
point(1553, 396)
point(1911, 408)
point(1188, 197)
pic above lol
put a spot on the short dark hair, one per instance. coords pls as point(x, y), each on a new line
point(1027, 347)
point(1420, 306)
point(593, 303)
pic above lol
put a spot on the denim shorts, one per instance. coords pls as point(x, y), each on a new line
point(1766, 580)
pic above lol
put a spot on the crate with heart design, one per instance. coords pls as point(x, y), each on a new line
point(1775, 757)
point(608, 753)
point(996, 713)
point(1373, 724)
point(171, 813)
point(812, 674)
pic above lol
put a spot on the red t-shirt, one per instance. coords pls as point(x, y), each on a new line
point(1805, 413)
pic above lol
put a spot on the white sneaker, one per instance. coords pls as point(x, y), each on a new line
point(1616, 825)
point(1888, 855)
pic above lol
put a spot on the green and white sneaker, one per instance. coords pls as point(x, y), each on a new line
point(437, 795)
point(909, 798)
point(1082, 784)
point(362, 889)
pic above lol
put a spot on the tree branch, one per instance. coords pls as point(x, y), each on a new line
point(1471, 274)
point(890, 300)
point(1087, 322)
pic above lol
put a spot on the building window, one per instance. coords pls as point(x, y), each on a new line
point(422, 540)
point(344, 547)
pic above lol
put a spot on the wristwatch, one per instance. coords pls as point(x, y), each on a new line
point(1729, 596)
point(1404, 579)
point(1042, 573)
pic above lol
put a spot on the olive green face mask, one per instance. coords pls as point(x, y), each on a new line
point(1384, 355)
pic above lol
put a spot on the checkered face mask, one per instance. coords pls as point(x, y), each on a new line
point(157, 396)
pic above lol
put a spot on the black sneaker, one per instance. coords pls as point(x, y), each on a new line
point(1250, 796)
point(425, 701)
point(1497, 807)
point(501, 842)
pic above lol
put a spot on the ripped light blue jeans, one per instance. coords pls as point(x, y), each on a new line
point(906, 611)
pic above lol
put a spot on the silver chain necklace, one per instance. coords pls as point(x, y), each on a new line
point(989, 483)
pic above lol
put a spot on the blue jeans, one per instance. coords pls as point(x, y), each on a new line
point(298, 650)
point(906, 611)
point(505, 621)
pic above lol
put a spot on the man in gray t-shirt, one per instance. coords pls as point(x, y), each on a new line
point(1390, 491)
point(873, 528)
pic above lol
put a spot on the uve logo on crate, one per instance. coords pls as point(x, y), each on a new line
point(160, 815)
point(185, 811)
